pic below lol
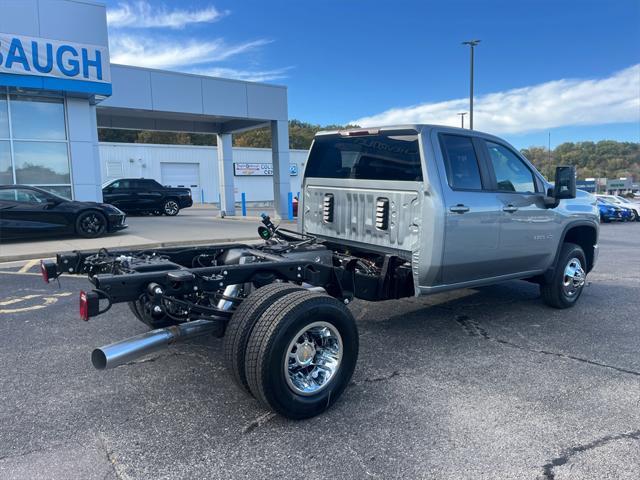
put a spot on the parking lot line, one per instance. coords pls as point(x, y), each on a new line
point(27, 266)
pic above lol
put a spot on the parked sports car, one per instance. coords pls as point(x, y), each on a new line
point(30, 211)
point(609, 212)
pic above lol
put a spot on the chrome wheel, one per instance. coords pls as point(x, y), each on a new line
point(92, 224)
point(171, 207)
point(313, 358)
point(574, 277)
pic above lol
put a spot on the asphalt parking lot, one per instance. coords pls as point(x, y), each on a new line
point(482, 383)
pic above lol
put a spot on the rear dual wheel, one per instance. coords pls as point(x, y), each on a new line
point(293, 350)
point(241, 325)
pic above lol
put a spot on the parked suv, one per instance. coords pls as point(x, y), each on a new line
point(144, 195)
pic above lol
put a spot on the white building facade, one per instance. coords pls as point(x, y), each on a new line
point(57, 87)
point(196, 167)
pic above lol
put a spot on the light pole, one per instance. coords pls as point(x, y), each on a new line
point(472, 44)
point(462, 114)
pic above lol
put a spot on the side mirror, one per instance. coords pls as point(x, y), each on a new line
point(52, 202)
point(565, 183)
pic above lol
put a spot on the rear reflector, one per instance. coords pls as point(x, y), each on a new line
point(89, 305)
point(49, 270)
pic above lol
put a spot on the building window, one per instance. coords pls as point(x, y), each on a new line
point(33, 142)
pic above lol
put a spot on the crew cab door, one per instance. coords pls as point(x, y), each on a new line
point(150, 193)
point(120, 194)
point(528, 232)
point(472, 213)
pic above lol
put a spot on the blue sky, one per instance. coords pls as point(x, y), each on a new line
point(565, 66)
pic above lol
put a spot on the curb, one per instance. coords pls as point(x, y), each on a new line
point(30, 256)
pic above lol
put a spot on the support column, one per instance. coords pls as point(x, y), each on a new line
point(280, 155)
point(86, 177)
point(225, 174)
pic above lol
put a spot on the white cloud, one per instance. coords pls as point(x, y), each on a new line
point(141, 14)
point(247, 75)
point(145, 51)
point(552, 104)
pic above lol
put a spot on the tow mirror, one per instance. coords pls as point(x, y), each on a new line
point(565, 183)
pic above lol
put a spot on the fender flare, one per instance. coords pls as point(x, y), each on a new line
point(548, 274)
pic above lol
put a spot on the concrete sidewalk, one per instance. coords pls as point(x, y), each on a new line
point(192, 226)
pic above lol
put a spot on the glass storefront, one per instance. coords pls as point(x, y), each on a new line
point(33, 142)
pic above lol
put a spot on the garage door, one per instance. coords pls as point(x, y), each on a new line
point(182, 175)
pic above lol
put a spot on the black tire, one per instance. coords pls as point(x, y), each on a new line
point(157, 213)
point(269, 347)
point(134, 310)
point(555, 292)
point(241, 324)
point(91, 224)
point(170, 207)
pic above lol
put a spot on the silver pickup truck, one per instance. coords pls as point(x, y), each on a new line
point(386, 213)
point(464, 208)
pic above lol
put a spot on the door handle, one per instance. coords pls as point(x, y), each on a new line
point(459, 208)
point(510, 209)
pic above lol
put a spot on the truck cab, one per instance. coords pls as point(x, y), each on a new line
point(464, 208)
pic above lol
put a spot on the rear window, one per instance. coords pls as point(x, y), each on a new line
point(371, 157)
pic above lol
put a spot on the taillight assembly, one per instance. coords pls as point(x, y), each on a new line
point(382, 214)
point(89, 305)
point(49, 270)
point(327, 208)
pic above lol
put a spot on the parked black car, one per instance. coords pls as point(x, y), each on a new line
point(145, 195)
point(30, 211)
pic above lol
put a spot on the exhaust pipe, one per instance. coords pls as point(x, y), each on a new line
point(132, 348)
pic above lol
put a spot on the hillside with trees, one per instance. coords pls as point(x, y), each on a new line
point(606, 158)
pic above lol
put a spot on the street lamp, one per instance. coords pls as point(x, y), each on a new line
point(472, 44)
point(462, 114)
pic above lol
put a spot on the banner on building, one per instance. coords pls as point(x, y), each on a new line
point(259, 169)
point(21, 55)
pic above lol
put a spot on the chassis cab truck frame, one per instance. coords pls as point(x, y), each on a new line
point(386, 213)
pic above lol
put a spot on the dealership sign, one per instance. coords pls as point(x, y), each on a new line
point(33, 56)
point(259, 169)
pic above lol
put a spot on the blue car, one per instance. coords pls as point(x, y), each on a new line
point(609, 212)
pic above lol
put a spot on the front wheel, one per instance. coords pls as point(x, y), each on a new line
point(91, 224)
point(567, 283)
point(301, 354)
point(171, 208)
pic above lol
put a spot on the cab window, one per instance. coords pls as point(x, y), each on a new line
point(22, 195)
point(368, 157)
point(461, 162)
point(512, 174)
point(147, 184)
point(120, 184)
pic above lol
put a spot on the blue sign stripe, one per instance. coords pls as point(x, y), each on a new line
point(50, 83)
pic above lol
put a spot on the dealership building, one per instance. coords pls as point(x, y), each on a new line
point(57, 87)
